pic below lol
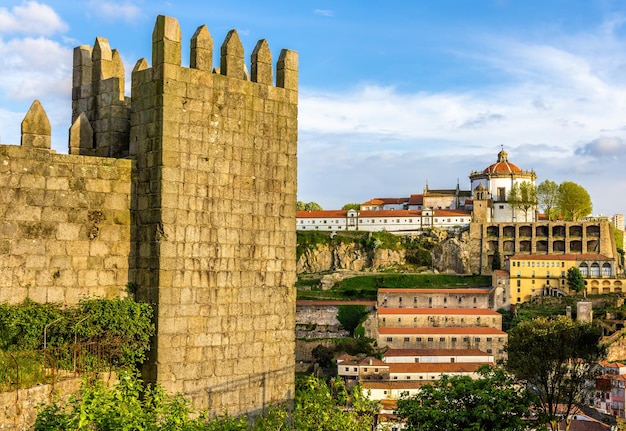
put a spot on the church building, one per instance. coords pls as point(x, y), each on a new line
point(491, 189)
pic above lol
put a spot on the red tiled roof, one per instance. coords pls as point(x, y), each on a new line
point(391, 384)
point(373, 202)
point(470, 330)
point(460, 290)
point(321, 214)
point(331, 302)
point(370, 360)
point(443, 311)
point(434, 352)
point(503, 167)
point(380, 213)
point(571, 256)
point(416, 199)
point(435, 367)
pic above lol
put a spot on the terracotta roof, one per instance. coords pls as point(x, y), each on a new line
point(442, 311)
point(390, 213)
point(345, 357)
point(502, 166)
point(331, 302)
point(435, 367)
point(380, 213)
point(416, 199)
point(370, 360)
point(435, 352)
point(571, 256)
point(470, 330)
point(391, 384)
point(460, 290)
point(321, 214)
point(373, 202)
point(393, 200)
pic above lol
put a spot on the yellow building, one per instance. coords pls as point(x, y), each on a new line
point(542, 275)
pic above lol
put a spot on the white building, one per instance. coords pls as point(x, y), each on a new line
point(493, 185)
point(394, 221)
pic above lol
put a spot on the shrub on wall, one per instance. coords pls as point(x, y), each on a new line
point(122, 324)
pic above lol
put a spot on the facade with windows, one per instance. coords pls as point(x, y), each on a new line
point(433, 298)
point(490, 340)
point(537, 275)
point(439, 317)
point(394, 221)
point(493, 186)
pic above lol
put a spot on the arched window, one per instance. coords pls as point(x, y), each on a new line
point(595, 270)
point(584, 269)
point(606, 270)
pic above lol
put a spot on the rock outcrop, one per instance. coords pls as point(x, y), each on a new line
point(449, 255)
point(352, 257)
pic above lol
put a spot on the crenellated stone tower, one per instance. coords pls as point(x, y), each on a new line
point(215, 218)
point(187, 190)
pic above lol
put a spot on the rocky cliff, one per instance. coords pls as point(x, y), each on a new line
point(449, 255)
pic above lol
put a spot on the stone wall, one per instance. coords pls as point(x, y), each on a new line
point(538, 238)
point(200, 217)
point(18, 409)
point(218, 189)
point(65, 225)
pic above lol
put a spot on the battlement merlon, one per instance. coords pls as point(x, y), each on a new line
point(166, 48)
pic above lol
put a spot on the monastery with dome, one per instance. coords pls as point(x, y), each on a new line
point(494, 225)
point(444, 209)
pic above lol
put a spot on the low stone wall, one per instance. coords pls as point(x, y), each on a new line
point(18, 409)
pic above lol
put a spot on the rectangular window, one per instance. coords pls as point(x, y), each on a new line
point(406, 339)
point(477, 339)
point(389, 338)
point(442, 339)
point(418, 339)
point(453, 339)
point(430, 339)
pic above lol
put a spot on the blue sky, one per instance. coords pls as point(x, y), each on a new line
point(392, 94)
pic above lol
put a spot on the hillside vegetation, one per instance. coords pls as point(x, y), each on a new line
point(366, 286)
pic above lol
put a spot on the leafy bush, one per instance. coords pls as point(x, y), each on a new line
point(350, 316)
point(122, 323)
point(130, 405)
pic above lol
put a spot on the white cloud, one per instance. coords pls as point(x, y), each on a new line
point(33, 68)
point(116, 11)
point(612, 147)
point(31, 18)
point(324, 12)
point(551, 111)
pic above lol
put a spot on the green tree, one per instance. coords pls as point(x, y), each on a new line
point(492, 402)
point(129, 405)
point(556, 357)
point(351, 206)
point(350, 316)
point(573, 202)
point(496, 263)
point(523, 196)
point(323, 355)
point(547, 197)
point(308, 206)
point(323, 407)
point(575, 279)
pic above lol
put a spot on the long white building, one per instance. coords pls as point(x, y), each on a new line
point(394, 221)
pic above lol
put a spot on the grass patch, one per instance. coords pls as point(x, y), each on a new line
point(365, 287)
point(21, 370)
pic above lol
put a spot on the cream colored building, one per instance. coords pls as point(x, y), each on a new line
point(491, 189)
point(434, 298)
point(438, 317)
point(544, 275)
